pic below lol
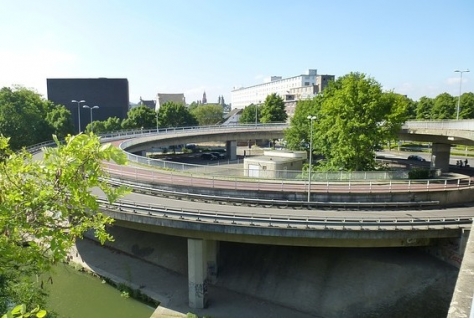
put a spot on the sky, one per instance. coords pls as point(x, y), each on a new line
point(190, 46)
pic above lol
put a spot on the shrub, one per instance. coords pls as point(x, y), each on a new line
point(419, 173)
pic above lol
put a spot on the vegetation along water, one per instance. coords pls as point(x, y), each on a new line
point(81, 295)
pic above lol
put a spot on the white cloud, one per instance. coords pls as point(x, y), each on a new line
point(456, 80)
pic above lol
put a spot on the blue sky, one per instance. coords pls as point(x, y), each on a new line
point(191, 46)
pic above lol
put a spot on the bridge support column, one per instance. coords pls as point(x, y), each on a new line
point(231, 150)
point(212, 248)
point(197, 272)
point(440, 156)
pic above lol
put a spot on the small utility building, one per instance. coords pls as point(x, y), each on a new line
point(274, 164)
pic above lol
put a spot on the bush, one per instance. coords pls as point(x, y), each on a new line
point(419, 173)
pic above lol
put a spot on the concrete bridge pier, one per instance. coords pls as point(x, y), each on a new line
point(231, 150)
point(202, 269)
point(440, 156)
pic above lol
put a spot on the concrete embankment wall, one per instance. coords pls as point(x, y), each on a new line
point(462, 301)
point(323, 282)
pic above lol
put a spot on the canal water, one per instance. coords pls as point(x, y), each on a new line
point(75, 294)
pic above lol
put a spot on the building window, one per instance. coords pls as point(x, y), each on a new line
point(306, 83)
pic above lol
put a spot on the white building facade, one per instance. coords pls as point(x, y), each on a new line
point(293, 88)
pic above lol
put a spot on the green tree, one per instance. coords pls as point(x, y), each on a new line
point(60, 120)
point(113, 124)
point(424, 108)
point(273, 109)
point(138, 117)
point(411, 108)
point(96, 127)
point(173, 114)
point(22, 116)
point(353, 116)
point(44, 206)
point(297, 134)
point(208, 114)
point(193, 105)
point(466, 109)
point(444, 107)
point(250, 113)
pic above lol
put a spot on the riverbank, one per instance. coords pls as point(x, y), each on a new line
point(170, 288)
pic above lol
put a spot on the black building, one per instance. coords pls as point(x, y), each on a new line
point(110, 95)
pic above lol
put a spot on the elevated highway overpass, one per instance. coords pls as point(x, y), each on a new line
point(209, 218)
point(207, 225)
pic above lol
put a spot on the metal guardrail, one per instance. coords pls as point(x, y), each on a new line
point(147, 189)
point(150, 176)
point(300, 222)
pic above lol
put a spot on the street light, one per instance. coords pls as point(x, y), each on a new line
point(91, 108)
point(460, 84)
point(256, 114)
point(79, 112)
point(310, 118)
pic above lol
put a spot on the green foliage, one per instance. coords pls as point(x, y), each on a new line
point(424, 108)
point(444, 107)
point(96, 127)
point(297, 136)
point(466, 109)
point(112, 124)
point(208, 114)
point(173, 114)
point(20, 312)
point(419, 173)
point(138, 117)
point(193, 105)
point(273, 109)
point(353, 116)
point(59, 118)
point(248, 114)
point(29, 118)
point(45, 205)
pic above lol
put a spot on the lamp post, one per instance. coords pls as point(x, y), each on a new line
point(90, 109)
point(460, 85)
point(310, 118)
point(256, 114)
point(78, 112)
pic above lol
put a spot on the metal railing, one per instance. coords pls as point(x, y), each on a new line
point(140, 187)
point(303, 222)
point(205, 178)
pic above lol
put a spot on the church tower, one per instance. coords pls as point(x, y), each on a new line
point(204, 99)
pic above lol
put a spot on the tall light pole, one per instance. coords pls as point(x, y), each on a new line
point(78, 112)
point(310, 118)
point(460, 85)
point(256, 114)
point(90, 109)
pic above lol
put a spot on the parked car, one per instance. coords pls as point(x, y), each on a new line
point(416, 158)
point(208, 157)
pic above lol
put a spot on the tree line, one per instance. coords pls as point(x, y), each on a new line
point(353, 117)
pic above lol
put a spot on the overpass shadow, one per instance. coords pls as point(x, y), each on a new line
point(281, 281)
